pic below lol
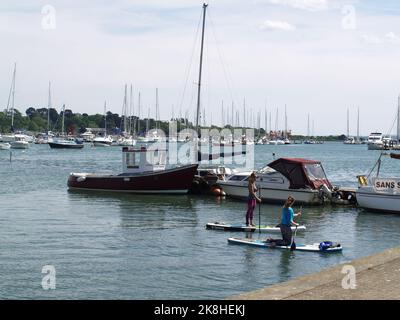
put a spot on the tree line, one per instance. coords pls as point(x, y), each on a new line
point(44, 119)
point(48, 119)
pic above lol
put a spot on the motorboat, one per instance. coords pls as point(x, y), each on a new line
point(375, 141)
point(143, 171)
point(377, 193)
point(126, 141)
point(5, 146)
point(102, 141)
point(88, 136)
point(19, 142)
point(304, 179)
point(66, 143)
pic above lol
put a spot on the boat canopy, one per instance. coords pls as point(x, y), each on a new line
point(302, 173)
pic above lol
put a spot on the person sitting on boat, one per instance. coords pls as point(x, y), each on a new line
point(286, 222)
point(251, 199)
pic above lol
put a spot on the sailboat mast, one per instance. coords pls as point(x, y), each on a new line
point(398, 120)
point(105, 119)
point(348, 125)
point(62, 125)
point(138, 121)
point(157, 115)
point(13, 98)
point(48, 108)
point(285, 123)
point(131, 111)
point(200, 68)
point(358, 124)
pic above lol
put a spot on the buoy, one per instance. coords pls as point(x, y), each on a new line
point(217, 191)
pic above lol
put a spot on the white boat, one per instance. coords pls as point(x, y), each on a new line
point(349, 140)
point(304, 179)
point(5, 146)
point(88, 136)
point(379, 194)
point(375, 141)
point(19, 142)
point(126, 141)
point(102, 141)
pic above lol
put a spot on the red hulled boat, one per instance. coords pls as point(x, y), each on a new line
point(143, 172)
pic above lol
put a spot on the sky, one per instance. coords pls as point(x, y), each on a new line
point(317, 57)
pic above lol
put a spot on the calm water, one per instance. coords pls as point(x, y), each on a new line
point(156, 247)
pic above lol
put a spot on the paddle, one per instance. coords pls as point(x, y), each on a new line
point(259, 212)
point(293, 244)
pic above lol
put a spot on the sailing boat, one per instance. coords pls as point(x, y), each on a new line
point(11, 137)
point(65, 142)
point(126, 139)
point(17, 141)
point(106, 140)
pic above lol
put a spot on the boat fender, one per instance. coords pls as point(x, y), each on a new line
point(81, 179)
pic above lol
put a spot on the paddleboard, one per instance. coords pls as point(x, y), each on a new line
point(242, 227)
point(299, 247)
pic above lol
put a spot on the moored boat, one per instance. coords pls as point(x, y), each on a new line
point(65, 143)
point(304, 179)
point(5, 146)
point(379, 194)
point(19, 142)
point(144, 171)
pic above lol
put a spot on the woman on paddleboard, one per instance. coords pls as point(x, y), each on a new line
point(251, 199)
point(286, 222)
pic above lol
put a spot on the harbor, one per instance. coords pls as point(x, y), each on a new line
point(165, 250)
point(140, 174)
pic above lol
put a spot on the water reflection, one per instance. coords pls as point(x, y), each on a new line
point(143, 211)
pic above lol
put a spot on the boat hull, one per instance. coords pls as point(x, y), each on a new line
point(55, 145)
point(172, 181)
point(19, 145)
point(368, 199)
point(271, 195)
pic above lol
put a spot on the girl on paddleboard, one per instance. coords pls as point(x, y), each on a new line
point(251, 199)
point(286, 222)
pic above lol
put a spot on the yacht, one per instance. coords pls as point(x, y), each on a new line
point(102, 141)
point(375, 141)
point(377, 193)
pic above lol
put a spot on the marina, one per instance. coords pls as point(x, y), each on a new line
point(201, 191)
point(159, 252)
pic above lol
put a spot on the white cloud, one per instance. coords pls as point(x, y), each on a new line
point(310, 5)
point(276, 25)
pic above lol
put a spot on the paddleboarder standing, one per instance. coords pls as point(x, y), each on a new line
point(286, 222)
point(251, 199)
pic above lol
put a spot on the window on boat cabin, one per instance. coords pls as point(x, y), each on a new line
point(315, 171)
point(132, 160)
point(237, 178)
point(156, 157)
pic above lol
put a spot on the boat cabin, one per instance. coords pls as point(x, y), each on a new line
point(139, 160)
point(301, 173)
